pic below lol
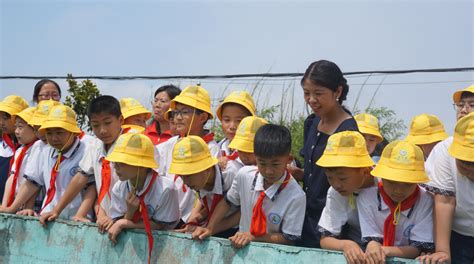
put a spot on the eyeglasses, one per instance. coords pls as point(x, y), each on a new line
point(47, 96)
point(185, 112)
point(459, 106)
point(156, 100)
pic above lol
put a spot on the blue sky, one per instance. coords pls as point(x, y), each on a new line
point(231, 37)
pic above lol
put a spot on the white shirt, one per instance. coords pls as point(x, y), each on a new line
point(446, 180)
point(415, 226)
point(161, 200)
point(5, 150)
point(224, 147)
point(284, 211)
point(25, 161)
point(67, 169)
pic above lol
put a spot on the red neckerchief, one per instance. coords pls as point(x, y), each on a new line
point(216, 198)
point(52, 182)
point(258, 226)
point(106, 175)
point(391, 221)
point(142, 213)
point(233, 156)
point(82, 134)
point(13, 146)
point(18, 164)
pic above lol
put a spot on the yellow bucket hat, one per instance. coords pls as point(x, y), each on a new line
point(245, 134)
point(457, 94)
point(26, 115)
point(368, 124)
point(42, 111)
point(131, 106)
point(61, 116)
point(462, 147)
point(191, 155)
point(135, 150)
point(133, 128)
point(13, 104)
point(426, 129)
point(196, 97)
point(242, 98)
point(401, 161)
point(346, 149)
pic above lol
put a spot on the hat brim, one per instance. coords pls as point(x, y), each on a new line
point(219, 108)
point(134, 128)
point(407, 176)
point(9, 110)
point(242, 144)
point(426, 139)
point(457, 95)
point(37, 121)
point(461, 152)
point(192, 167)
point(193, 103)
point(137, 112)
point(371, 131)
point(140, 161)
point(59, 124)
point(345, 161)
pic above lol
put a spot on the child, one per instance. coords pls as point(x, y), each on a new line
point(106, 121)
point(11, 105)
point(57, 164)
point(25, 135)
point(140, 195)
point(193, 162)
point(396, 216)
point(169, 116)
point(369, 127)
point(243, 141)
point(453, 188)
point(272, 204)
point(191, 110)
point(134, 114)
point(230, 112)
point(347, 165)
point(426, 131)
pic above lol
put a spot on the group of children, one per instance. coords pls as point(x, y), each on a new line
point(241, 188)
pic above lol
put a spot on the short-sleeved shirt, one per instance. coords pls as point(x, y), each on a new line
point(446, 180)
point(284, 209)
point(67, 169)
point(161, 200)
point(415, 225)
point(26, 160)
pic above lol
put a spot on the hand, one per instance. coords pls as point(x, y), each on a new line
point(104, 223)
point(222, 162)
point(201, 233)
point(437, 257)
point(133, 203)
point(82, 219)
point(374, 253)
point(48, 217)
point(114, 231)
point(353, 252)
point(27, 212)
point(7, 210)
point(241, 239)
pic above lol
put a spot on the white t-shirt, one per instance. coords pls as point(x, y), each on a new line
point(284, 210)
point(5, 150)
point(161, 200)
point(26, 160)
point(446, 180)
point(415, 226)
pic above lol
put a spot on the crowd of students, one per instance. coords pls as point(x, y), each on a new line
point(414, 199)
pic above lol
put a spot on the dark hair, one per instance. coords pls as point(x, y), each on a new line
point(272, 141)
point(40, 85)
point(170, 89)
point(466, 94)
point(104, 104)
point(327, 74)
point(247, 112)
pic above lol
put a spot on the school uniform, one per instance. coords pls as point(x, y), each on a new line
point(67, 169)
point(283, 208)
point(161, 200)
point(26, 149)
point(224, 151)
point(415, 225)
point(7, 150)
point(35, 153)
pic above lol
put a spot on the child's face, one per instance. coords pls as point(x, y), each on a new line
point(197, 181)
point(183, 117)
point(398, 191)
point(247, 158)
point(467, 99)
point(465, 168)
point(273, 168)
point(346, 180)
point(6, 123)
point(106, 127)
point(23, 132)
point(125, 171)
point(371, 142)
point(173, 130)
point(321, 99)
point(232, 114)
point(427, 148)
point(59, 138)
point(138, 120)
point(39, 135)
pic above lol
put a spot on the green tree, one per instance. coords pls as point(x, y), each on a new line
point(80, 94)
point(391, 127)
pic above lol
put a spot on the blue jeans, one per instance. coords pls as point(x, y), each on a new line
point(462, 248)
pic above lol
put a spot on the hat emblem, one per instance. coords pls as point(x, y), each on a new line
point(57, 113)
point(181, 152)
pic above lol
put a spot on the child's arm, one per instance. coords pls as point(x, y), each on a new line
point(121, 224)
point(401, 252)
point(194, 219)
point(26, 191)
point(88, 202)
point(104, 222)
point(351, 249)
point(6, 194)
point(217, 216)
point(241, 239)
point(28, 208)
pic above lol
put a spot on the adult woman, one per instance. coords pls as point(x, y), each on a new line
point(45, 90)
point(325, 88)
point(158, 130)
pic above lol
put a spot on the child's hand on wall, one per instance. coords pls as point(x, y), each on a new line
point(241, 239)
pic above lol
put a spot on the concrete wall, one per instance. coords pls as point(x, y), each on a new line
point(23, 240)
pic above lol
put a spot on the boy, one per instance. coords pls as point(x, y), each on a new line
point(140, 195)
point(57, 165)
point(10, 105)
point(106, 121)
point(347, 165)
point(396, 217)
point(426, 131)
point(134, 114)
point(193, 162)
point(271, 201)
point(25, 135)
point(369, 127)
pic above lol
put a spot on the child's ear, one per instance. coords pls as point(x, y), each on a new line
point(290, 159)
point(121, 119)
point(203, 117)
